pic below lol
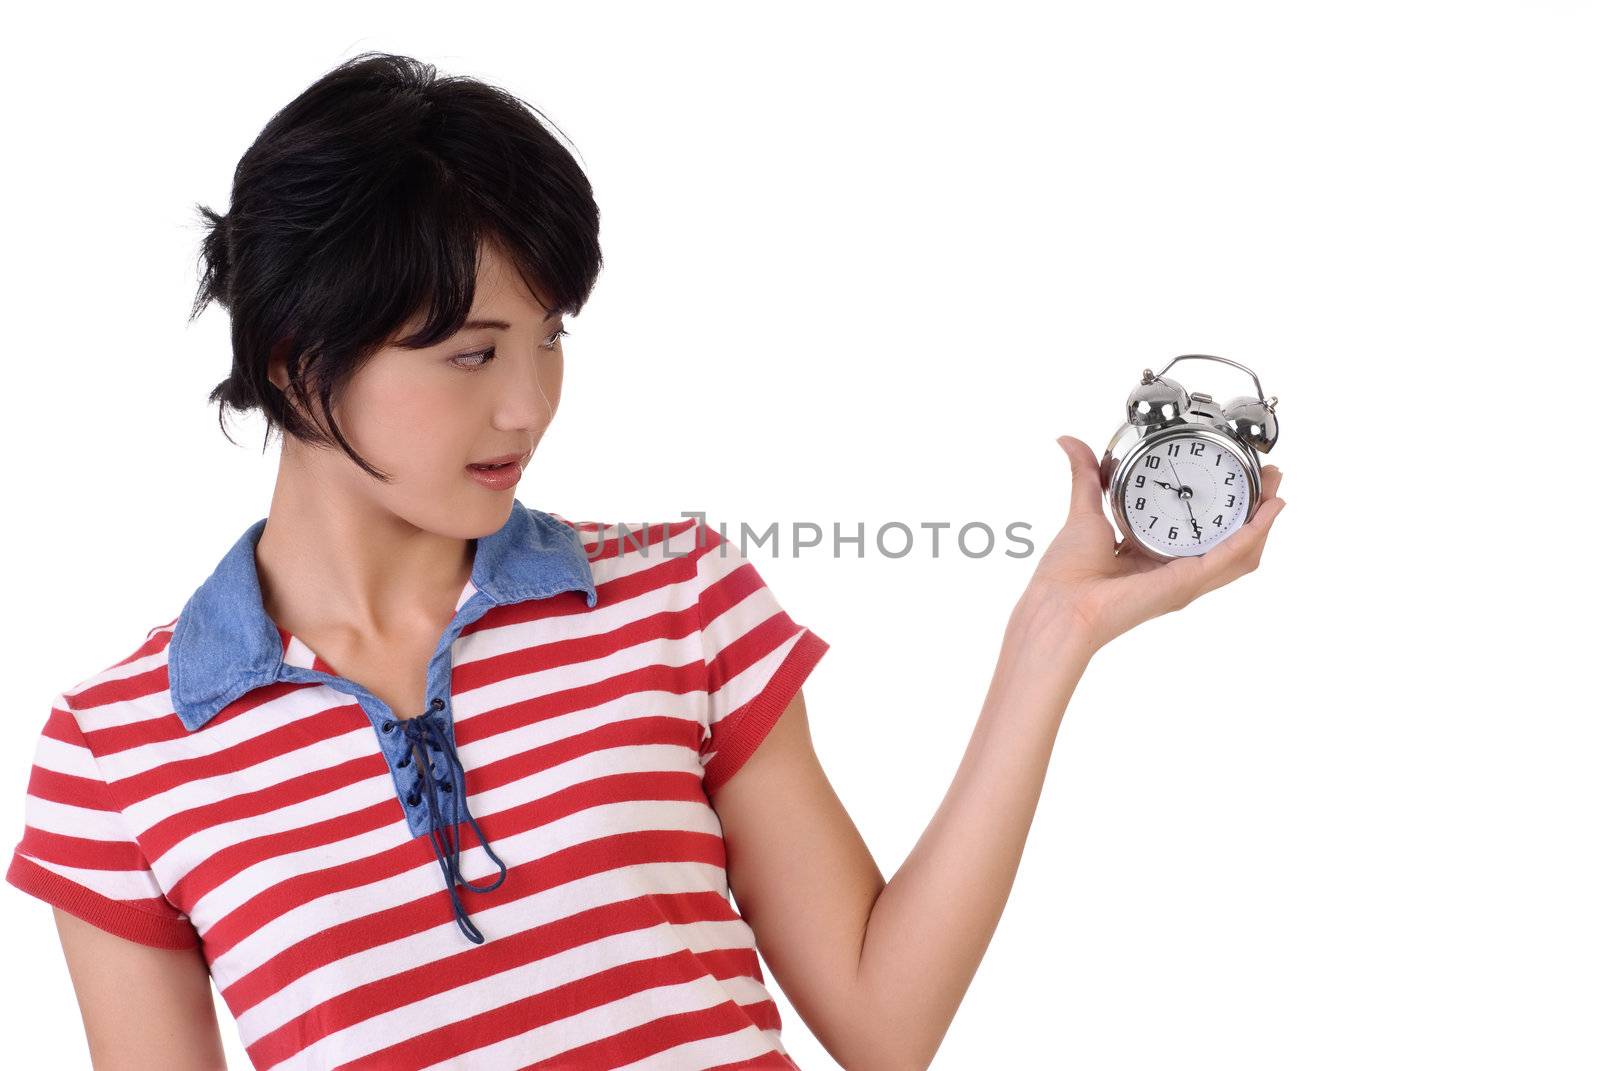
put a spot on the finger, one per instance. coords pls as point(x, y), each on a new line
point(1271, 477)
point(1240, 552)
point(1085, 475)
point(1253, 536)
point(1276, 504)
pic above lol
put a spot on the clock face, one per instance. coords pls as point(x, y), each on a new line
point(1185, 494)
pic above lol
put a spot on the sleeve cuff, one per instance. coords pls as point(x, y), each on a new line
point(113, 916)
point(750, 725)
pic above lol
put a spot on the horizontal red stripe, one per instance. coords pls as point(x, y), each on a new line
point(82, 852)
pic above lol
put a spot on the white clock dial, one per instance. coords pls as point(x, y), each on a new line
point(1185, 494)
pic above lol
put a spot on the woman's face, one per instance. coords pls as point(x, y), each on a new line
point(422, 415)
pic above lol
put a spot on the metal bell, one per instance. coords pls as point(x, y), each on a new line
point(1253, 421)
point(1156, 400)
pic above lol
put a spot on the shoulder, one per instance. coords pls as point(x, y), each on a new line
point(123, 704)
point(625, 548)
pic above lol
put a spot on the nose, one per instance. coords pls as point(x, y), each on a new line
point(530, 395)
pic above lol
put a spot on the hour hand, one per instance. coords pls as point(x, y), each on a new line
point(1164, 483)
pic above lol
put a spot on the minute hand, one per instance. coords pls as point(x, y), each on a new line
point(1181, 489)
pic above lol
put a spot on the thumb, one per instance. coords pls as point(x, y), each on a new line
point(1085, 475)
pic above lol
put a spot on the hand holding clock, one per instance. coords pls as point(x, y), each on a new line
point(1103, 594)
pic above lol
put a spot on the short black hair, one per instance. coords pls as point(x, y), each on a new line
point(364, 201)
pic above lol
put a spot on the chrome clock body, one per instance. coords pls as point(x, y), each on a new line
point(1182, 473)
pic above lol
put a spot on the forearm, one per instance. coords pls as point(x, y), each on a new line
point(932, 922)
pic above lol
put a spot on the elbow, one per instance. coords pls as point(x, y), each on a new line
point(876, 1048)
point(877, 1045)
point(907, 1062)
point(884, 1060)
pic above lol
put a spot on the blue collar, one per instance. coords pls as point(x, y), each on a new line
point(225, 645)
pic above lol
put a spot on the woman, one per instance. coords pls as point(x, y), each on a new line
point(402, 651)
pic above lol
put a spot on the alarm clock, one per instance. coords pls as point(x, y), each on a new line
point(1182, 473)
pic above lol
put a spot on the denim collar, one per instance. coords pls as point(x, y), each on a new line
point(225, 645)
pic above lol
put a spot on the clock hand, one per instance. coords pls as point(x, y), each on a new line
point(1185, 497)
point(1175, 476)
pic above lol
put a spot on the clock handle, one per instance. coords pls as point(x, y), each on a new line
point(1224, 360)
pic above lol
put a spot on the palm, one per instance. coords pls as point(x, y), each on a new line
point(1113, 592)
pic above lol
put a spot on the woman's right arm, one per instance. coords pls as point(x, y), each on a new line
point(143, 1007)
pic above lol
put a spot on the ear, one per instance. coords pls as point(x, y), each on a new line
point(278, 376)
point(278, 365)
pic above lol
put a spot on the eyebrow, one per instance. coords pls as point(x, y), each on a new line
point(501, 325)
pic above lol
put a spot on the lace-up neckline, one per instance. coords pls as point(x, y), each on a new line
point(426, 737)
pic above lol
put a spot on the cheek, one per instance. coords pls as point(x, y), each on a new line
point(402, 417)
point(550, 376)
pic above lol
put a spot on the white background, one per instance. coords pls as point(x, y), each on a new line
point(863, 264)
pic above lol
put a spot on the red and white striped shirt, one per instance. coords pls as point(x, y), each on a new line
point(223, 786)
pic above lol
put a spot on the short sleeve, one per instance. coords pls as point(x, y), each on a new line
point(77, 851)
point(756, 657)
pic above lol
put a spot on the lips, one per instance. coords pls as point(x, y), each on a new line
point(498, 478)
point(498, 462)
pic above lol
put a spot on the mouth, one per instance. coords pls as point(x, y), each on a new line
point(501, 462)
point(498, 474)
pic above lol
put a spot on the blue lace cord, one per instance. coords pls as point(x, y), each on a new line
point(424, 733)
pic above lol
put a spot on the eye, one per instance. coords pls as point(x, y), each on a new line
point(479, 358)
point(485, 355)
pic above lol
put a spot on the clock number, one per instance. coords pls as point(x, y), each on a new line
point(1230, 500)
point(1229, 480)
point(1197, 448)
point(1172, 533)
point(1138, 481)
point(1152, 462)
point(1151, 525)
point(1172, 451)
point(1217, 520)
point(1219, 457)
point(1138, 504)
